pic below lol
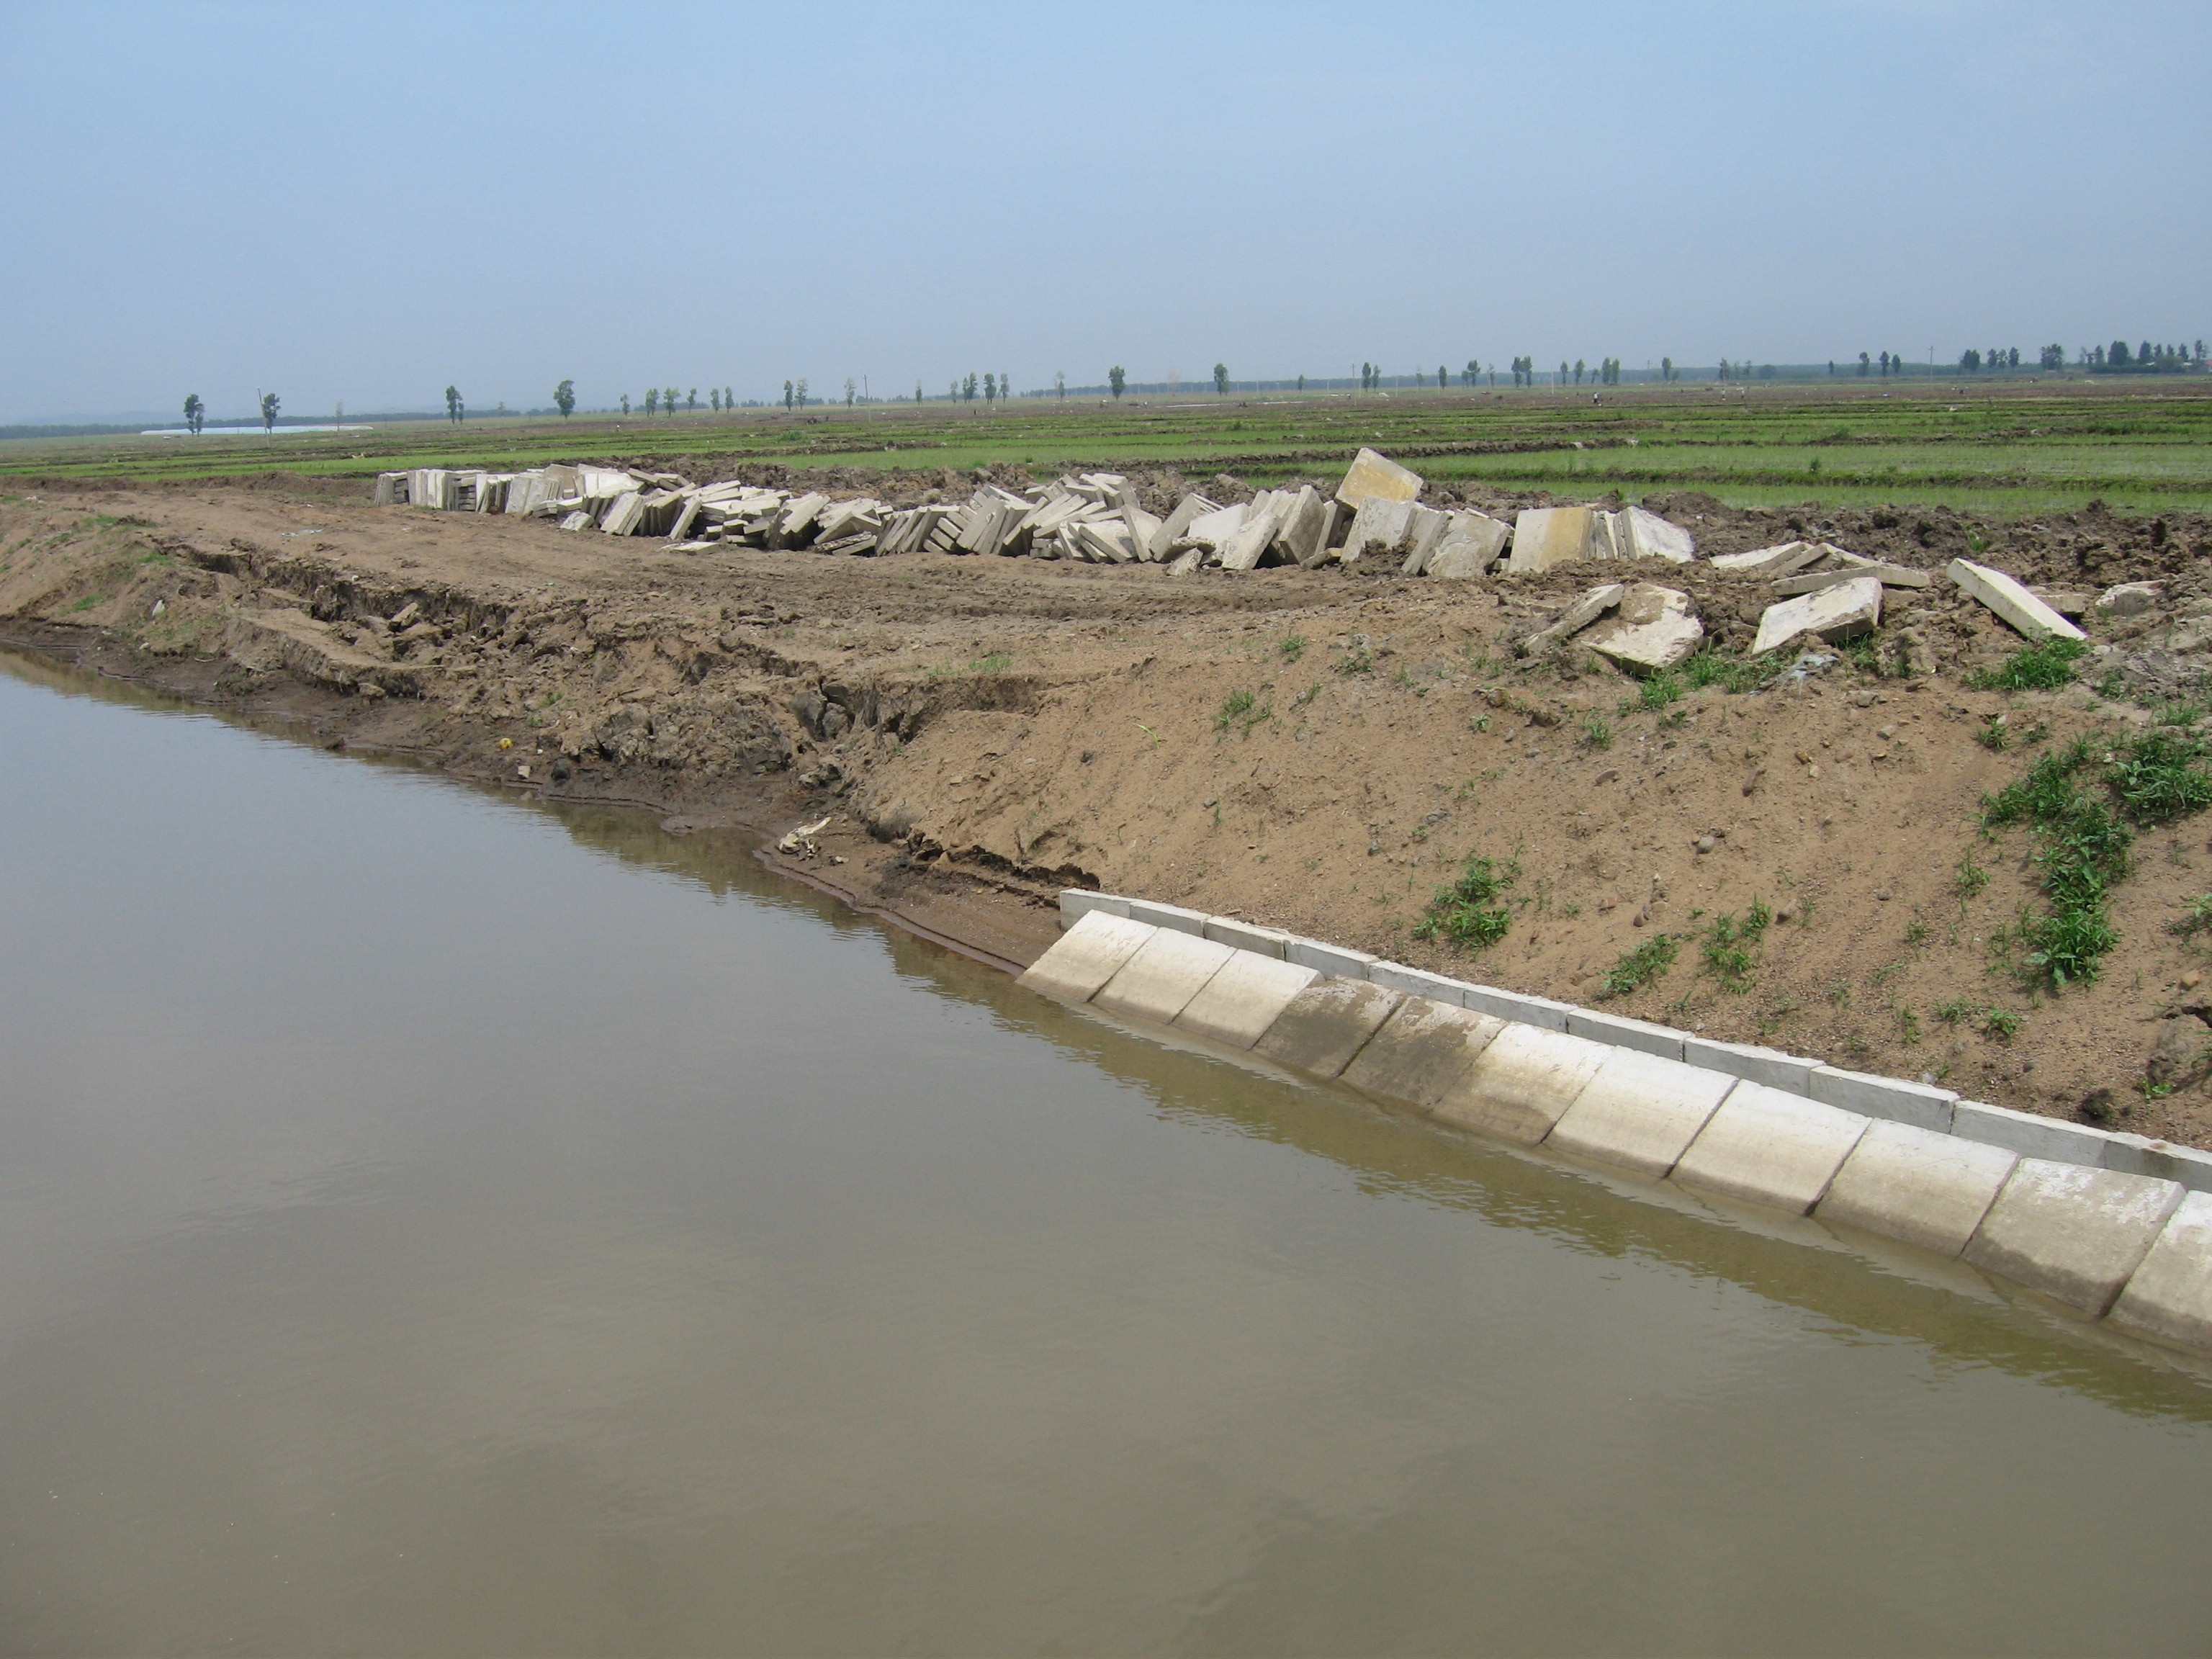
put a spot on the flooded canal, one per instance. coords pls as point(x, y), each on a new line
point(433, 1222)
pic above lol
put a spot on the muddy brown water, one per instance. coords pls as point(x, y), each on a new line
point(433, 1222)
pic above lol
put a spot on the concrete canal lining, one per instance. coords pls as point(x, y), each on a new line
point(2096, 1222)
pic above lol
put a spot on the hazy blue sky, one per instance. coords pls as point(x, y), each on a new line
point(365, 203)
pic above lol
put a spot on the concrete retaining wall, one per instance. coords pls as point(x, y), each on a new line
point(2115, 1225)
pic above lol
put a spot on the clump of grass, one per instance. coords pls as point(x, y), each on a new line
point(1470, 913)
point(2043, 667)
point(2157, 776)
point(1953, 1011)
point(1968, 878)
point(1713, 666)
point(1358, 659)
point(1640, 967)
point(1236, 710)
point(2000, 1022)
point(1730, 947)
point(2194, 920)
point(1293, 646)
point(1993, 736)
point(1597, 732)
point(1661, 688)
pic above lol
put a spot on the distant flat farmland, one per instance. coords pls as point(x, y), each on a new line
point(1996, 447)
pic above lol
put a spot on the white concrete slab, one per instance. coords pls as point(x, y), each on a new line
point(2010, 601)
point(1843, 611)
point(1248, 995)
point(1626, 1033)
point(1426, 529)
point(1179, 918)
point(2169, 1297)
point(1301, 525)
point(2075, 1234)
point(2161, 1160)
point(1768, 1146)
point(1418, 982)
point(1248, 936)
point(2028, 1134)
point(1640, 1112)
point(1917, 1185)
point(1651, 537)
point(1077, 903)
point(1921, 1105)
point(1161, 975)
point(1517, 1006)
point(1326, 1025)
point(1376, 528)
point(1423, 1053)
point(1523, 1082)
point(1085, 957)
point(1650, 629)
point(1544, 537)
point(1771, 562)
point(1577, 616)
point(1470, 547)
point(1373, 476)
point(1768, 1066)
point(1332, 959)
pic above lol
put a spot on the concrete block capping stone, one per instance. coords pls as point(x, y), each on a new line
point(2117, 1226)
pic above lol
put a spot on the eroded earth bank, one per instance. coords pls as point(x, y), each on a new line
point(1319, 750)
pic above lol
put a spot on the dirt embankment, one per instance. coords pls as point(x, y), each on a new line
point(1317, 751)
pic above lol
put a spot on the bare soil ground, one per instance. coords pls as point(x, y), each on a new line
point(981, 733)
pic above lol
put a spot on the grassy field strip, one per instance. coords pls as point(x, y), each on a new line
point(2018, 449)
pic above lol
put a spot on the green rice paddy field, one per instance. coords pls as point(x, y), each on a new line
point(1986, 446)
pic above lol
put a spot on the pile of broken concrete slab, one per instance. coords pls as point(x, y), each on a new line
point(1374, 518)
point(1823, 596)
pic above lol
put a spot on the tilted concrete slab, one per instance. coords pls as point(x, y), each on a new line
point(1469, 548)
point(1523, 1082)
point(1326, 1025)
point(1768, 1066)
point(1783, 559)
point(1372, 476)
point(1575, 618)
point(1889, 576)
point(1915, 1185)
point(1177, 917)
point(1248, 936)
point(1892, 1098)
point(1425, 1052)
point(1377, 528)
point(1087, 955)
point(1160, 977)
point(1426, 529)
point(1239, 1002)
point(1640, 1111)
point(1300, 527)
point(2028, 1134)
point(1608, 540)
point(2075, 1234)
point(1544, 537)
point(1841, 612)
point(1215, 528)
point(1262, 518)
point(1651, 537)
point(1769, 1146)
point(1652, 629)
point(1623, 1032)
point(2011, 602)
point(2169, 1297)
